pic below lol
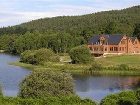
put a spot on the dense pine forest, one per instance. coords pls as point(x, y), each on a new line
point(64, 32)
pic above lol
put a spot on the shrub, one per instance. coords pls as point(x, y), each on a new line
point(123, 67)
point(127, 101)
point(96, 66)
point(68, 100)
point(108, 101)
point(44, 84)
point(28, 57)
point(80, 54)
point(127, 98)
point(39, 56)
point(138, 94)
point(123, 98)
point(45, 55)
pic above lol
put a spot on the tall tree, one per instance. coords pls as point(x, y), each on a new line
point(111, 28)
point(137, 31)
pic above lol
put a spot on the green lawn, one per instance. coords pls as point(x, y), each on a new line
point(131, 60)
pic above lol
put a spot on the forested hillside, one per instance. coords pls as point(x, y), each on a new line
point(69, 31)
point(110, 22)
point(116, 21)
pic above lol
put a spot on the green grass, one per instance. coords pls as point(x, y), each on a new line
point(131, 60)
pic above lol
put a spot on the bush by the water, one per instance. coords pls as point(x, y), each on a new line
point(123, 98)
point(95, 66)
point(123, 67)
point(80, 54)
point(39, 56)
point(42, 84)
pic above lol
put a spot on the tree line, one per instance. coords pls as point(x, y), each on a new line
point(58, 42)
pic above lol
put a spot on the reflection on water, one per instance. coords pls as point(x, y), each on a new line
point(10, 76)
point(97, 87)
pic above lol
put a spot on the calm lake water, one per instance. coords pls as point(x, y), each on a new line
point(97, 87)
point(10, 76)
point(86, 86)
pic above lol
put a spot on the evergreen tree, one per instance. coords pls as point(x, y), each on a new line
point(137, 31)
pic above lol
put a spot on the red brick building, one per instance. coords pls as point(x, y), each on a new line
point(114, 44)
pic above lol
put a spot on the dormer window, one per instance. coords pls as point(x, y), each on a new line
point(102, 40)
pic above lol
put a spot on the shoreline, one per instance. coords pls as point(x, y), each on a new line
point(2, 51)
point(80, 71)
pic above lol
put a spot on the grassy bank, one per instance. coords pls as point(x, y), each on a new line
point(115, 72)
point(108, 66)
point(71, 68)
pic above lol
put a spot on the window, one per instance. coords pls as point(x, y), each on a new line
point(102, 42)
point(111, 48)
point(96, 49)
point(102, 49)
point(115, 48)
point(105, 48)
point(120, 48)
point(90, 48)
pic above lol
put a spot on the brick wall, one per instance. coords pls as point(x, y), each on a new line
point(136, 45)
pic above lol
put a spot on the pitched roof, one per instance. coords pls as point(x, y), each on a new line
point(111, 39)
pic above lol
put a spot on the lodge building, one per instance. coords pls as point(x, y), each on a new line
point(113, 44)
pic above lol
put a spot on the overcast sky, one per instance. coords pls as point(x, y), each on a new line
point(14, 12)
